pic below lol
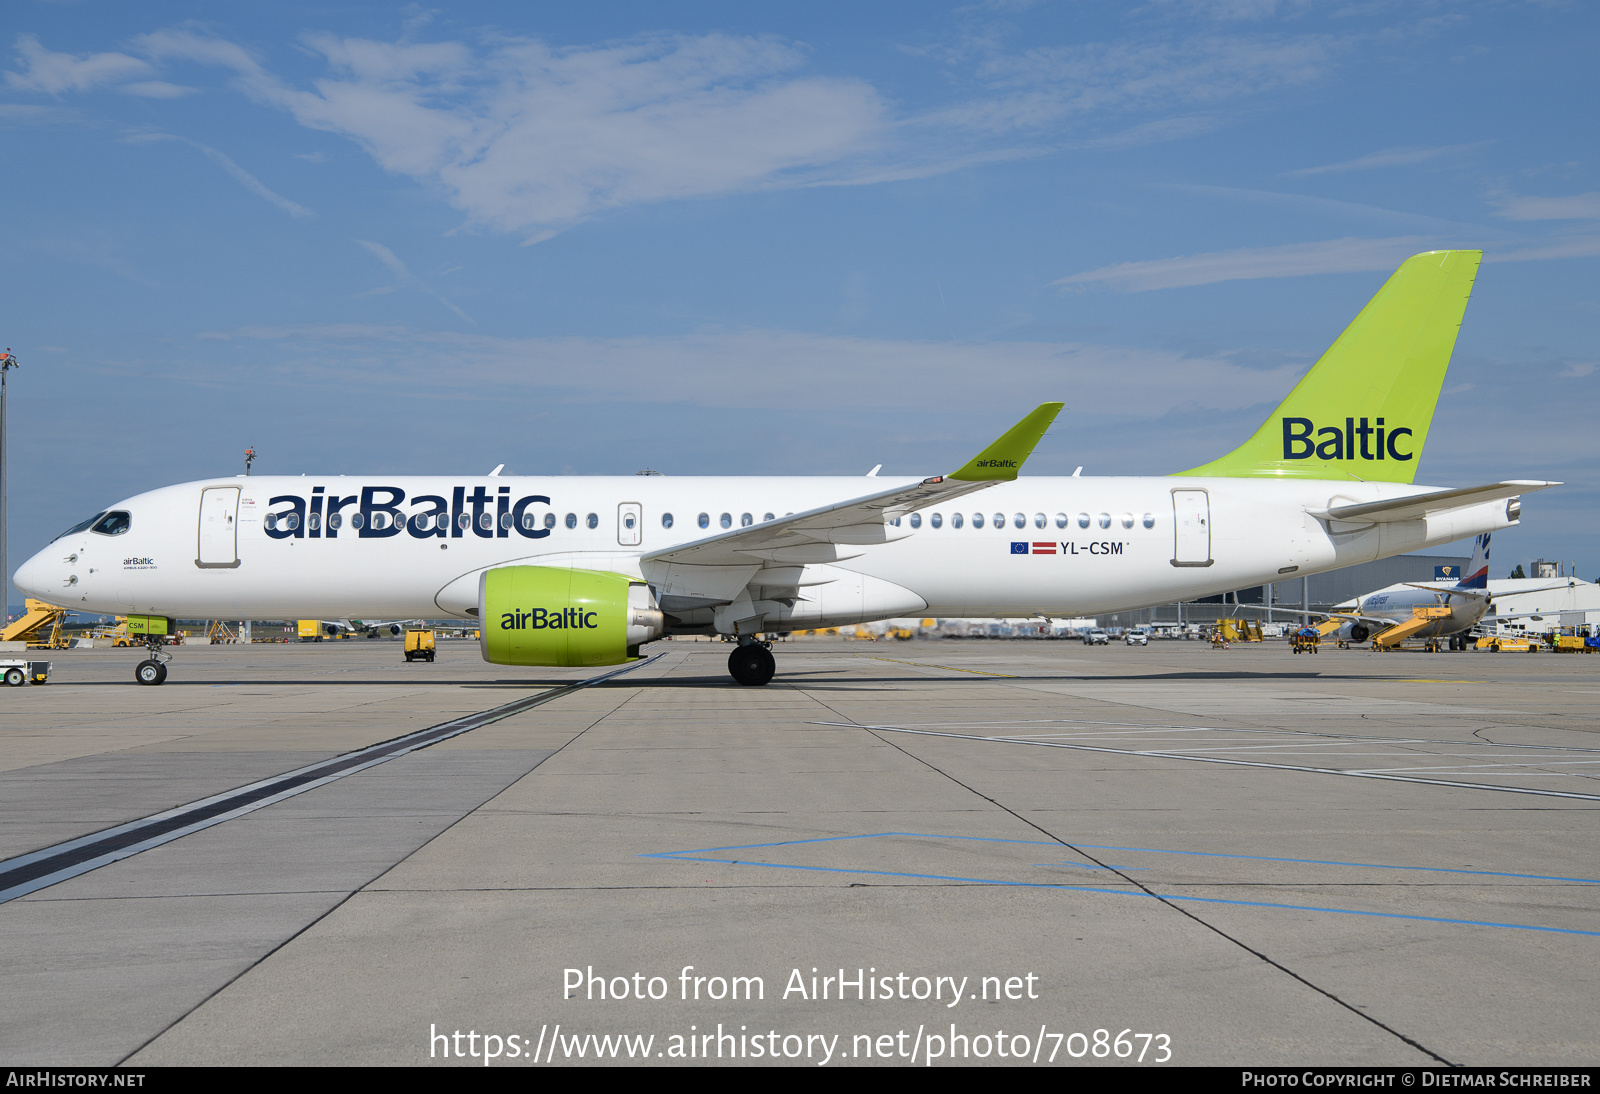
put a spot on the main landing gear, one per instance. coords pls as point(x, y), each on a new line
point(751, 663)
point(153, 669)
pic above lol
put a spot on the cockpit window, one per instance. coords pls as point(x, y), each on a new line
point(81, 527)
point(113, 523)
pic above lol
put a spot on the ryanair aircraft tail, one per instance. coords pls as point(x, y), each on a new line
point(1363, 410)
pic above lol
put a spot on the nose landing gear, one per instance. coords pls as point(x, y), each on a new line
point(153, 669)
point(751, 663)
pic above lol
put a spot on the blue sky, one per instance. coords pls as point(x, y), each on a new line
point(729, 238)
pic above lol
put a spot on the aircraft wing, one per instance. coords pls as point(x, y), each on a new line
point(864, 520)
point(1416, 506)
point(1483, 594)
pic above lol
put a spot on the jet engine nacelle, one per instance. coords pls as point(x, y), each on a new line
point(1360, 632)
point(546, 615)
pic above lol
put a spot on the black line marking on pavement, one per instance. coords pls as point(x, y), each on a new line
point(51, 865)
point(1164, 754)
point(877, 731)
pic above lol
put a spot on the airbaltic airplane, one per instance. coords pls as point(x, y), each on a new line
point(585, 571)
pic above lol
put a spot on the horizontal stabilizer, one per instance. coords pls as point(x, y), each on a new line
point(1417, 506)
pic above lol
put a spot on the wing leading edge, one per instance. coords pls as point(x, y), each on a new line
point(810, 536)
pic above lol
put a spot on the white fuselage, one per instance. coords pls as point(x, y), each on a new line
point(1087, 545)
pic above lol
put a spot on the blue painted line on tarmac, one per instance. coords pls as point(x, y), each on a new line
point(702, 855)
point(1142, 850)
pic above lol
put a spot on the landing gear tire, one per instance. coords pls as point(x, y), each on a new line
point(751, 665)
point(150, 673)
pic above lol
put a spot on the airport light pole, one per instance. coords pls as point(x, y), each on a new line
point(8, 361)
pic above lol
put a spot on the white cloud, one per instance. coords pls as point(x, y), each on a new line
point(528, 138)
point(776, 370)
point(1389, 157)
point(1573, 207)
point(406, 277)
point(237, 173)
point(1043, 85)
point(157, 89)
point(1292, 260)
point(53, 73)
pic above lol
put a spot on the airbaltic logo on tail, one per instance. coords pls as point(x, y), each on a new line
point(995, 463)
point(1303, 440)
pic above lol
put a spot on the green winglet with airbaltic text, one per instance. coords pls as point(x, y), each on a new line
point(1364, 409)
point(1002, 459)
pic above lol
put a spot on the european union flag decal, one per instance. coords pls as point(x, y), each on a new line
point(1019, 548)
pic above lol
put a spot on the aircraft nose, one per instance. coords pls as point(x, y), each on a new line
point(30, 577)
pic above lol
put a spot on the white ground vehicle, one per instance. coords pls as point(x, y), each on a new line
point(1136, 638)
point(1096, 637)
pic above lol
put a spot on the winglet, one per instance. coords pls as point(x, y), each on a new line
point(1002, 459)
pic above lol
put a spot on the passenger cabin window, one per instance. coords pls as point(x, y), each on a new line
point(999, 520)
point(1105, 520)
point(666, 520)
point(1061, 520)
point(977, 520)
point(746, 520)
point(936, 520)
point(916, 520)
point(592, 520)
point(1149, 520)
point(766, 516)
point(1039, 521)
point(1020, 520)
point(705, 520)
point(572, 520)
point(1127, 520)
point(113, 523)
point(549, 520)
point(335, 521)
point(1083, 520)
point(955, 520)
point(726, 520)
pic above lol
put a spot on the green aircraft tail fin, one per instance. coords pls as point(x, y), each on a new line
point(1364, 409)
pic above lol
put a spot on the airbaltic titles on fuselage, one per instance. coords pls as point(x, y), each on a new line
point(376, 514)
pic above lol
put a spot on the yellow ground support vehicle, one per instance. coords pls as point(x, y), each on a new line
point(419, 644)
point(1510, 645)
point(1238, 630)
